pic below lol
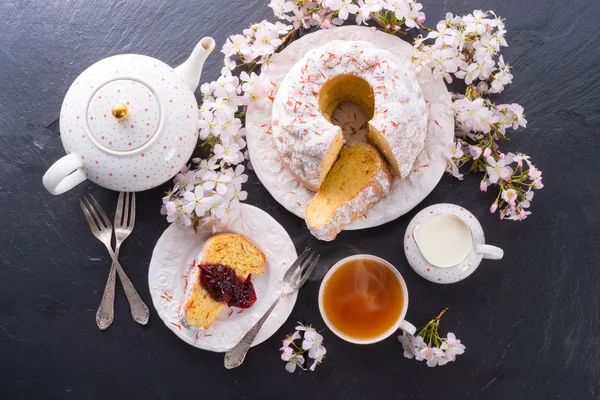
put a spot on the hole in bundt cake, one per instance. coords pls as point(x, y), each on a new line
point(346, 89)
point(348, 102)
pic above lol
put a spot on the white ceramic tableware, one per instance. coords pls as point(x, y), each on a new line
point(406, 193)
point(174, 255)
point(401, 323)
point(129, 122)
point(445, 243)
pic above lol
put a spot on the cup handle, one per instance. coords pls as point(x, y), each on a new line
point(64, 174)
point(490, 252)
point(408, 327)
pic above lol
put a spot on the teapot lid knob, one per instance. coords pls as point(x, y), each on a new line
point(119, 111)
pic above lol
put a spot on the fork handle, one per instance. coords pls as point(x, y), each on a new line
point(235, 356)
point(106, 312)
point(139, 310)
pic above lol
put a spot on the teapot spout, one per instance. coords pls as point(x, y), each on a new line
point(191, 69)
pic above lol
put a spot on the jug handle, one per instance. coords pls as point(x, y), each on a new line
point(490, 252)
point(64, 174)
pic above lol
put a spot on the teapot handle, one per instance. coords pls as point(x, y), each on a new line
point(64, 174)
point(490, 252)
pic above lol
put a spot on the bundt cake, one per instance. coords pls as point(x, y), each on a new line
point(358, 180)
point(342, 71)
point(230, 251)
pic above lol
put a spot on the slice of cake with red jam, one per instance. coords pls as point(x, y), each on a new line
point(222, 278)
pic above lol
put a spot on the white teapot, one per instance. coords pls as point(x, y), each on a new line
point(129, 122)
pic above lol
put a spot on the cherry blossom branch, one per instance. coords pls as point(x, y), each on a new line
point(466, 48)
point(427, 344)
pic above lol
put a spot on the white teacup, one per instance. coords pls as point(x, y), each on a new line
point(444, 243)
point(400, 323)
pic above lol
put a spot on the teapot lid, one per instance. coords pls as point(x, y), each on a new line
point(124, 116)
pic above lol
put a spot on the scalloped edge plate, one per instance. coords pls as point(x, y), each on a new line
point(172, 259)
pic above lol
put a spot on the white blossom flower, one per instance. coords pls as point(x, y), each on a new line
point(295, 360)
point(186, 180)
point(267, 39)
point(300, 18)
point(313, 342)
point(519, 119)
point(414, 14)
point(344, 7)
point(454, 151)
point(265, 64)
point(426, 353)
point(412, 345)
point(236, 44)
point(280, 7)
point(497, 170)
point(534, 173)
point(175, 212)
point(228, 65)
point(207, 88)
point(519, 158)
point(474, 115)
point(218, 182)
point(208, 165)
point(226, 86)
point(365, 8)
point(286, 350)
point(282, 28)
point(206, 125)
point(528, 197)
point(510, 196)
point(194, 199)
point(475, 152)
point(438, 357)
point(228, 153)
point(317, 360)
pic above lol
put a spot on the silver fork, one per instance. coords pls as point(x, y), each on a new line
point(294, 278)
point(123, 225)
point(102, 229)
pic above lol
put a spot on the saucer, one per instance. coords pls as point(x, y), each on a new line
point(176, 251)
point(443, 275)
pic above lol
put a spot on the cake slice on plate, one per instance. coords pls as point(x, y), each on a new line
point(222, 277)
point(358, 180)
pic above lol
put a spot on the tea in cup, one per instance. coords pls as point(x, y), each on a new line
point(363, 299)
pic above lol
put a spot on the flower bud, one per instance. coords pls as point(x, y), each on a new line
point(421, 18)
point(522, 214)
point(494, 207)
point(483, 186)
point(487, 152)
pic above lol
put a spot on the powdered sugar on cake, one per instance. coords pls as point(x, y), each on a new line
point(302, 135)
point(405, 193)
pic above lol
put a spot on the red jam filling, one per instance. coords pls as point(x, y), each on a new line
point(225, 286)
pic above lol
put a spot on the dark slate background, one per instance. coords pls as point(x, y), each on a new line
point(530, 322)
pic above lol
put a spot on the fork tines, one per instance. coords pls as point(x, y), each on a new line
point(124, 217)
point(308, 261)
point(95, 215)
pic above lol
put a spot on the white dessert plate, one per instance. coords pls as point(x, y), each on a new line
point(174, 255)
point(406, 193)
